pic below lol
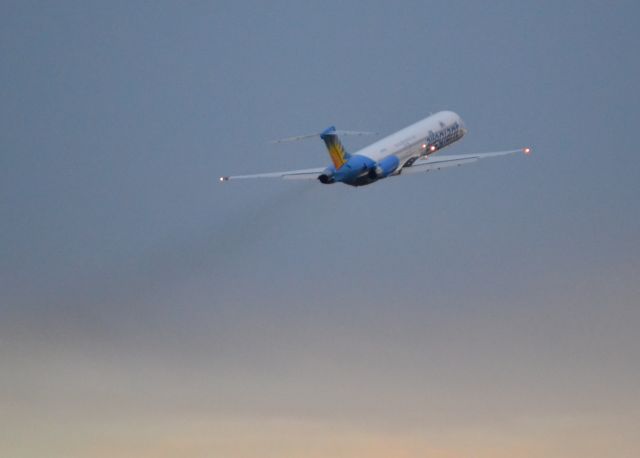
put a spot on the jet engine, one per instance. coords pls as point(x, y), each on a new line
point(326, 177)
point(384, 168)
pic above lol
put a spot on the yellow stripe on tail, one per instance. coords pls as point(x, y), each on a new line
point(337, 152)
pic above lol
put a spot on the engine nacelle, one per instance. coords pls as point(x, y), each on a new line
point(384, 168)
point(326, 177)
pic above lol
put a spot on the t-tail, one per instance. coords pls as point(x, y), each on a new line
point(334, 146)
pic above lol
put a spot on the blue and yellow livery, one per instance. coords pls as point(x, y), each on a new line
point(334, 146)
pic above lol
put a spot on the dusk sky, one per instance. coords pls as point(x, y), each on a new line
point(147, 310)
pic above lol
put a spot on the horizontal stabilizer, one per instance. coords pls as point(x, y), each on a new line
point(333, 132)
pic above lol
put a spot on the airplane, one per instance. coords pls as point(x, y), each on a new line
point(407, 151)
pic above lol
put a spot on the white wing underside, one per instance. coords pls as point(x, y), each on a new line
point(441, 162)
point(304, 174)
point(421, 165)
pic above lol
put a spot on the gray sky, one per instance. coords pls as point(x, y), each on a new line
point(147, 310)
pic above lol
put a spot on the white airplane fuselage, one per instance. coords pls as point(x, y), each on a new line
point(389, 155)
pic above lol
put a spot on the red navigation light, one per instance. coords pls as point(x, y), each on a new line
point(526, 150)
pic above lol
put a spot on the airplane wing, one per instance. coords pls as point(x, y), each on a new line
point(304, 174)
point(421, 165)
point(440, 162)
